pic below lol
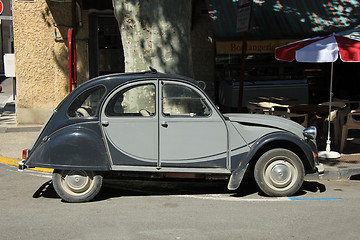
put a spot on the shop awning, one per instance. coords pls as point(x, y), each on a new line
point(285, 18)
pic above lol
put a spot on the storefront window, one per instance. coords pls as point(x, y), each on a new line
point(265, 71)
point(258, 67)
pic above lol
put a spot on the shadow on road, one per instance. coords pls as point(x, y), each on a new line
point(311, 187)
point(115, 188)
point(46, 190)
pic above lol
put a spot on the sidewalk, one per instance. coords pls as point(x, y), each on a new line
point(14, 138)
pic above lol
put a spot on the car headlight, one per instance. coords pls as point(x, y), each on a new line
point(310, 132)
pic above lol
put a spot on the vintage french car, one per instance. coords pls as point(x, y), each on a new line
point(152, 124)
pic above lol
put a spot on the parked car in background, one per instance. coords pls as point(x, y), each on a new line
point(154, 124)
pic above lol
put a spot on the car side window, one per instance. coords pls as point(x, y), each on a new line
point(133, 101)
point(87, 103)
point(179, 100)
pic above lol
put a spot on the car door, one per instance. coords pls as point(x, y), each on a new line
point(192, 133)
point(130, 124)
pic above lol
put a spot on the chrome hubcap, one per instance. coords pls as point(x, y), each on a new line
point(77, 181)
point(280, 174)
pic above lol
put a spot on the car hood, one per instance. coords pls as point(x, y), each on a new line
point(267, 121)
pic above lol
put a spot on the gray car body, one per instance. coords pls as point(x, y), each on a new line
point(87, 143)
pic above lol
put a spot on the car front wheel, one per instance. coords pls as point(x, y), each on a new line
point(76, 185)
point(279, 172)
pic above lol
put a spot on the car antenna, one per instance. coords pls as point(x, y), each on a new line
point(152, 70)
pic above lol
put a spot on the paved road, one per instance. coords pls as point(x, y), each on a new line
point(30, 209)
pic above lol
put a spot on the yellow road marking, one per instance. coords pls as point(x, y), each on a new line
point(14, 162)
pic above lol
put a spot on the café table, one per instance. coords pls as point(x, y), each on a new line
point(312, 109)
point(278, 99)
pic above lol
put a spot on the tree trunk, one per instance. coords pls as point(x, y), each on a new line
point(156, 33)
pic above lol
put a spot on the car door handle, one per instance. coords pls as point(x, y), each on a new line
point(105, 123)
point(164, 124)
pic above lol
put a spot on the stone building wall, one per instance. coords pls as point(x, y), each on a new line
point(41, 60)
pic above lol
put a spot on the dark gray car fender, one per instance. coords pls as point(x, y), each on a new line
point(278, 138)
point(78, 146)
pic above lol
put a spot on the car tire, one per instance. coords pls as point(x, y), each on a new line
point(76, 185)
point(279, 172)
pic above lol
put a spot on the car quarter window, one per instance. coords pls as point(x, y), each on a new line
point(180, 100)
point(137, 100)
point(87, 103)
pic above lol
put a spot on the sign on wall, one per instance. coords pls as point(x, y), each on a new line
point(253, 46)
point(9, 64)
point(243, 16)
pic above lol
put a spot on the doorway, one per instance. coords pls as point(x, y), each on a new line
point(106, 54)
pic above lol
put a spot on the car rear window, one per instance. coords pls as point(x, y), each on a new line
point(87, 103)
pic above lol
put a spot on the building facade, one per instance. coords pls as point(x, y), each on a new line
point(41, 35)
point(41, 56)
point(42, 50)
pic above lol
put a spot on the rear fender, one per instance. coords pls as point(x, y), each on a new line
point(78, 146)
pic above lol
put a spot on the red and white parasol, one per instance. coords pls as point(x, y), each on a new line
point(321, 50)
point(325, 49)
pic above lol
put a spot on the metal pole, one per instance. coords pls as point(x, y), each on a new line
point(328, 141)
point(242, 70)
point(328, 154)
point(14, 88)
point(243, 58)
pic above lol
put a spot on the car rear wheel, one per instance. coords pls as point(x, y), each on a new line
point(76, 185)
point(279, 172)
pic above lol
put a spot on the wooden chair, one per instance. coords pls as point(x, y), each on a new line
point(337, 118)
point(302, 119)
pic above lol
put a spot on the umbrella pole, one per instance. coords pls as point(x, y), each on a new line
point(328, 142)
point(328, 154)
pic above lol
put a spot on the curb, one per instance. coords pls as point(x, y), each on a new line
point(17, 129)
point(335, 173)
point(14, 162)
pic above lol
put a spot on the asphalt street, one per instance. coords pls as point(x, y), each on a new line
point(30, 209)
